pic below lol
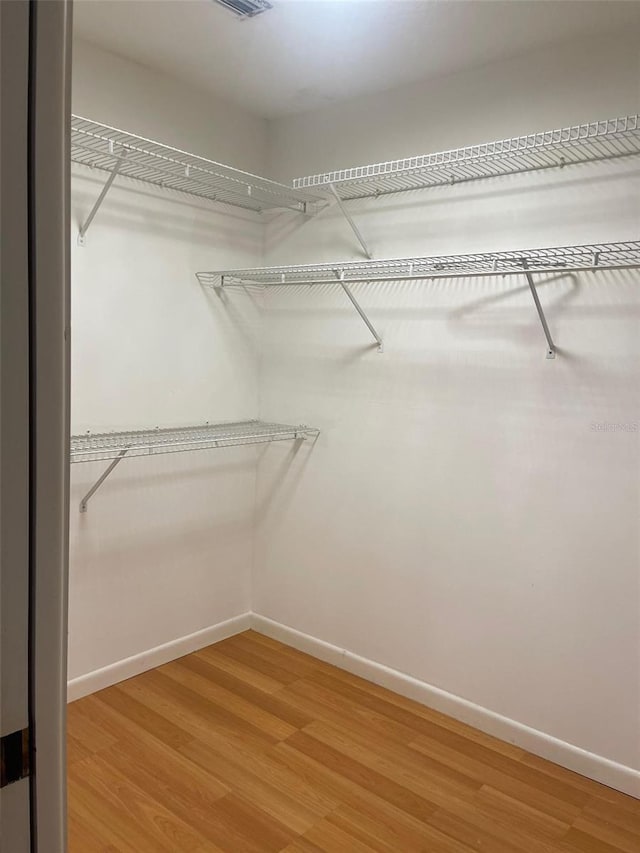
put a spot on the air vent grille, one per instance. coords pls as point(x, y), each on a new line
point(245, 8)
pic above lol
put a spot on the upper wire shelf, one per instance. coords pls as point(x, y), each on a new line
point(594, 256)
point(582, 143)
point(110, 445)
point(107, 148)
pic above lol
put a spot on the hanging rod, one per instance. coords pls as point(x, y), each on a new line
point(609, 139)
point(118, 152)
point(526, 263)
point(115, 446)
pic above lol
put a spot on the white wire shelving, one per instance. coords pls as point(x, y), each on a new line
point(609, 139)
point(117, 152)
point(114, 446)
point(593, 257)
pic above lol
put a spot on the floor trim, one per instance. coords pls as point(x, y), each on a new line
point(596, 767)
point(123, 669)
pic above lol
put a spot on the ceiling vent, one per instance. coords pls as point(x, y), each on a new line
point(245, 8)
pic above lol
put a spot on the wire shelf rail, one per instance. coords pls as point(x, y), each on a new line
point(114, 446)
point(120, 153)
point(583, 143)
point(593, 257)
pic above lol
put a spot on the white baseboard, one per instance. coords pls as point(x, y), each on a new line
point(123, 669)
point(574, 758)
point(596, 767)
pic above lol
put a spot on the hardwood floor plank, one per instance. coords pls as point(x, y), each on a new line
point(131, 738)
point(266, 767)
point(576, 840)
point(169, 829)
point(415, 708)
point(488, 775)
point(616, 836)
point(625, 816)
point(86, 733)
point(426, 779)
point(261, 664)
point(380, 701)
point(582, 783)
point(363, 776)
point(278, 655)
point(285, 807)
point(555, 788)
point(477, 833)
point(322, 703)
point(301, 845)
point(172, 779)
point(392, 838)
point(250, 712)
point(243, 826)
point(461, 801)
point(240, 670)
point(361, 799)
point(76, 752)
point(192, 713)
point(509, 810)
point(329, 837)
point(279, 708)
point(81, 837)
point(128, 816)
point(145, 718)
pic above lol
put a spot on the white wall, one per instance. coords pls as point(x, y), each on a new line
point(166, 546)
point(459, 519)
point(116, 91)
point(564, 84)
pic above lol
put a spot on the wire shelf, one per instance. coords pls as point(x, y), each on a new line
point(103, 147)
point(113, 445)
point(582, 143)
point(596, 256)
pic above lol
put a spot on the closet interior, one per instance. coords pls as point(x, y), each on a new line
point(419, 376)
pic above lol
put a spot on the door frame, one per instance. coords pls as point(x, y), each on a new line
point(50, 117)
point(35, 57)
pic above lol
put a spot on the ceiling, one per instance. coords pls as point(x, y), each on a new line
point(304, 54)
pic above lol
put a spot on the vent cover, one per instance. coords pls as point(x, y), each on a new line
point(245, 8)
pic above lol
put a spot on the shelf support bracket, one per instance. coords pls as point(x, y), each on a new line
point(353, 225)
point(96, 207)
point(551, 347)
point(101, 479)
point(340, 276)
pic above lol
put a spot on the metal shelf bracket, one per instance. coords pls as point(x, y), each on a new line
point(82, 234)
point(551, 347)
point(352, 224)
point(85, 500)
point(340, 276)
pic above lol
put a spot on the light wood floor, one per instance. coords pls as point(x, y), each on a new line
point(251, 746)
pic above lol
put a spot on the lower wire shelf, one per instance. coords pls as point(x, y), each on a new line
point(114, 446)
